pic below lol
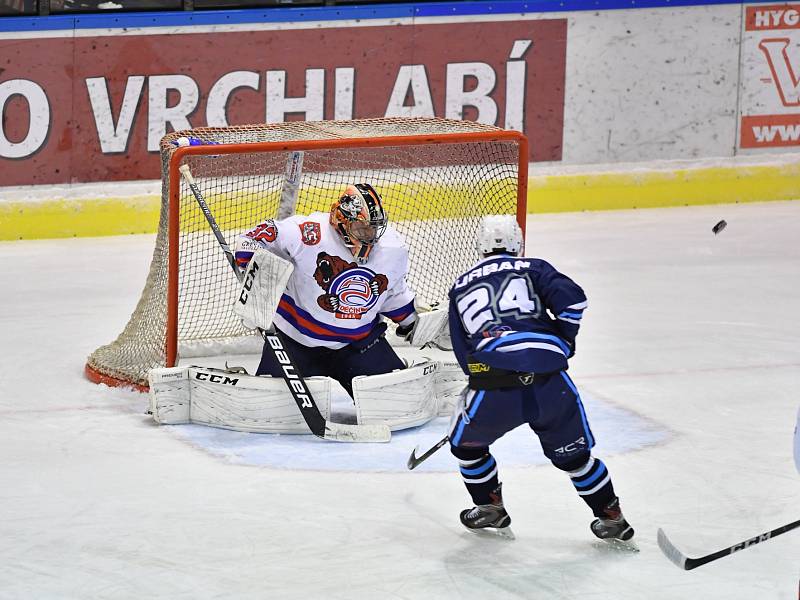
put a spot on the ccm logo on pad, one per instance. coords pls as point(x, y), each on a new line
point(214, 378)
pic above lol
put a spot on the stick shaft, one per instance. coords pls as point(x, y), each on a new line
point(686, 563)
point(746, 543)
point(187, 174)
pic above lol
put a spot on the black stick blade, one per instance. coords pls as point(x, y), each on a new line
point(413, 461)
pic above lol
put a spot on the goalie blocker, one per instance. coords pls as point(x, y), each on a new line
point(259, 404)
point(261, 288)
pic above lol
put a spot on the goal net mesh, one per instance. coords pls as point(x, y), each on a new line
point(434, 193)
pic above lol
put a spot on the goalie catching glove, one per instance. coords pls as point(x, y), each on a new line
point(430, 326)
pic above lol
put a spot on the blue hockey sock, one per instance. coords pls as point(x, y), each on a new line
point(592, 481)
point(479, 471)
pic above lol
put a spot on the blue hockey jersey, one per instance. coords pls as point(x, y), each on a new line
point(515, 313)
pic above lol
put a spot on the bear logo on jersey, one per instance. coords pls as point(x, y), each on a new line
point(350, 290)
point(310, 233)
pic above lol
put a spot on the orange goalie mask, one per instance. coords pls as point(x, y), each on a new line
point(359, 219)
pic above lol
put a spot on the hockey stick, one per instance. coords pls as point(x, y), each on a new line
point(414, 461)
point(187, 175)
point(684, 562)
point(327, 430)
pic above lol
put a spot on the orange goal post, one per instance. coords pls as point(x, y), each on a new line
point(437, 177)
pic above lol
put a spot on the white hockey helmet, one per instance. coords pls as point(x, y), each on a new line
point(499, 234)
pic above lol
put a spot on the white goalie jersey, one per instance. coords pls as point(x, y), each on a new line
point(330, 300)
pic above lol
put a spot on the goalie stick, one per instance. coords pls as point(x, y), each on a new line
point(327, 430)
point(684, 562)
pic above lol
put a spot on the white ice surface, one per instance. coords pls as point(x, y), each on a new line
point(690, 338)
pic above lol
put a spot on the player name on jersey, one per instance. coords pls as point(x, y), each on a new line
point(488, 269)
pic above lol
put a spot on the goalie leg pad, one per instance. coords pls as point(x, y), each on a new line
point(449, 384)
point(170, 400)
point(236, 401)
point(400, 399)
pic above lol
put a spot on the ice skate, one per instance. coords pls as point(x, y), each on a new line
point(489, 518)
point(614, 526)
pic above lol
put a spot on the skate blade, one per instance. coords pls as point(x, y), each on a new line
point(493, 532)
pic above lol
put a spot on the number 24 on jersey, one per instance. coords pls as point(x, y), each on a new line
point(483, 305)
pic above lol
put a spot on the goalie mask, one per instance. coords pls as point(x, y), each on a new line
point(359, 219)
point(499, 234)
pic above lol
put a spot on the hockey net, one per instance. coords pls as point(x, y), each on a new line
point(437, 178)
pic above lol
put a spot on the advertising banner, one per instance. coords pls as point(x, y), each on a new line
point(770, 77)
point(93, 105)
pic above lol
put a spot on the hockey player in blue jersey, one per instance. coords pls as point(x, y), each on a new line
point(513, 323)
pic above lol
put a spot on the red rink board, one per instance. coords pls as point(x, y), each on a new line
point(61, 66)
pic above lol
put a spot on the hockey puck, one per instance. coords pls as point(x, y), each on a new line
point(719, 227)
